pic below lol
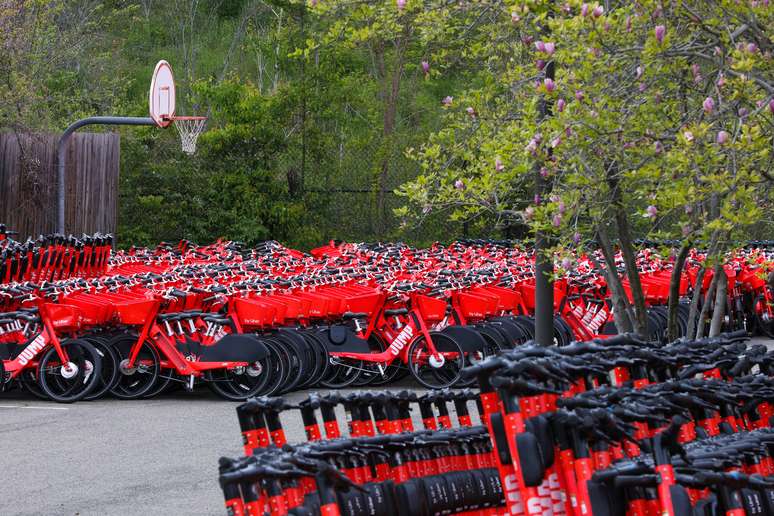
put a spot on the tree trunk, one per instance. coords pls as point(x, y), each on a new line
point(640, 320)
point(705, 308)
point(388, 129)
point(621, 312)
point(693, 313)
point(720, 302)
point(674, 290)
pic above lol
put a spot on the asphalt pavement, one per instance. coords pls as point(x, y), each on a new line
point(112, 457)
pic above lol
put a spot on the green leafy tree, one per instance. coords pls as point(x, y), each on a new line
point(631, 145)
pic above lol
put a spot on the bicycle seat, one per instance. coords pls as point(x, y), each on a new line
point(395, 311)
point(353, 315)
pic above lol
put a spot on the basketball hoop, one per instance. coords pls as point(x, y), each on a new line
point(189, 128)
point(161, 104)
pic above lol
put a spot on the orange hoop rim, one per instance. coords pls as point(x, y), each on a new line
point(174, 118)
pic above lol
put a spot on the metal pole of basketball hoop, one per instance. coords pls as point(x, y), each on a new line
point(62, 150)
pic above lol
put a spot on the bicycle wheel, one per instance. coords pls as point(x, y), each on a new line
point(109, 372)
point(162, 383)
point(135, 382)
point(436, 372)
point(304, 364)
point(277, 368)
point(295, 366)
point(29, 382)
point(343, 374)
point(239, 383)
point(372, 375)
point(66, 383)
point(321, 361)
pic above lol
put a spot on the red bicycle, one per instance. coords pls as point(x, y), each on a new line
point(31, 352)
point(178, 347)
point(433, 358)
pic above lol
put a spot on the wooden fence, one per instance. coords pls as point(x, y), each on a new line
point(28, 181)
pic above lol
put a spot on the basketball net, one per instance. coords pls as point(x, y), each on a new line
point(189, 128)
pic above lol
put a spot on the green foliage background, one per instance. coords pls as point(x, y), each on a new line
point(295, 141)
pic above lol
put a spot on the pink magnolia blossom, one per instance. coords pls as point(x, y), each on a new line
point(499, 167)
point(529, 212)
point(658, 147)
point(540, 46)
point(549, 84)
point(639, 71)
point(708, 105)
point(660, 32)
point(752, 48)
point(540, 64)
point(313, 3)
point(584, 10)
point(425, 67)
point(688, 135)
point(556, 142)
point(560, 105)
point(459, 184)
point(651, 212)
point(579, 95)
point(469, 110)
point(566, 263)
point(642, 87)
point(598, 11)
point(771, 106)
point(743, 112)
point(515, 18)
point(722, 137)
point(447, 101)
point(556, 220)
point(550, 48)
point(537, 199)
point(721, 81)
point(576, 238)
point(543, 172)
point(401, 4)
point(628, 24)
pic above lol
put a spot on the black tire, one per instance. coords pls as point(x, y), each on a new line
point(109, 371)
point(372, 375)
point(278, 368)
point(296, 360)
point(321, 360)
point(51, 373)
point(137, 382)
point(162, 383)
point(240, 383)
point(343, 375)
point(29, 382)
point(448, 373)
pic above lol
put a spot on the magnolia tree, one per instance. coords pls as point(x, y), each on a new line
point(658, 123)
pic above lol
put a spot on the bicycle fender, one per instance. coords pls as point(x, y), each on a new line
point(468, 339)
